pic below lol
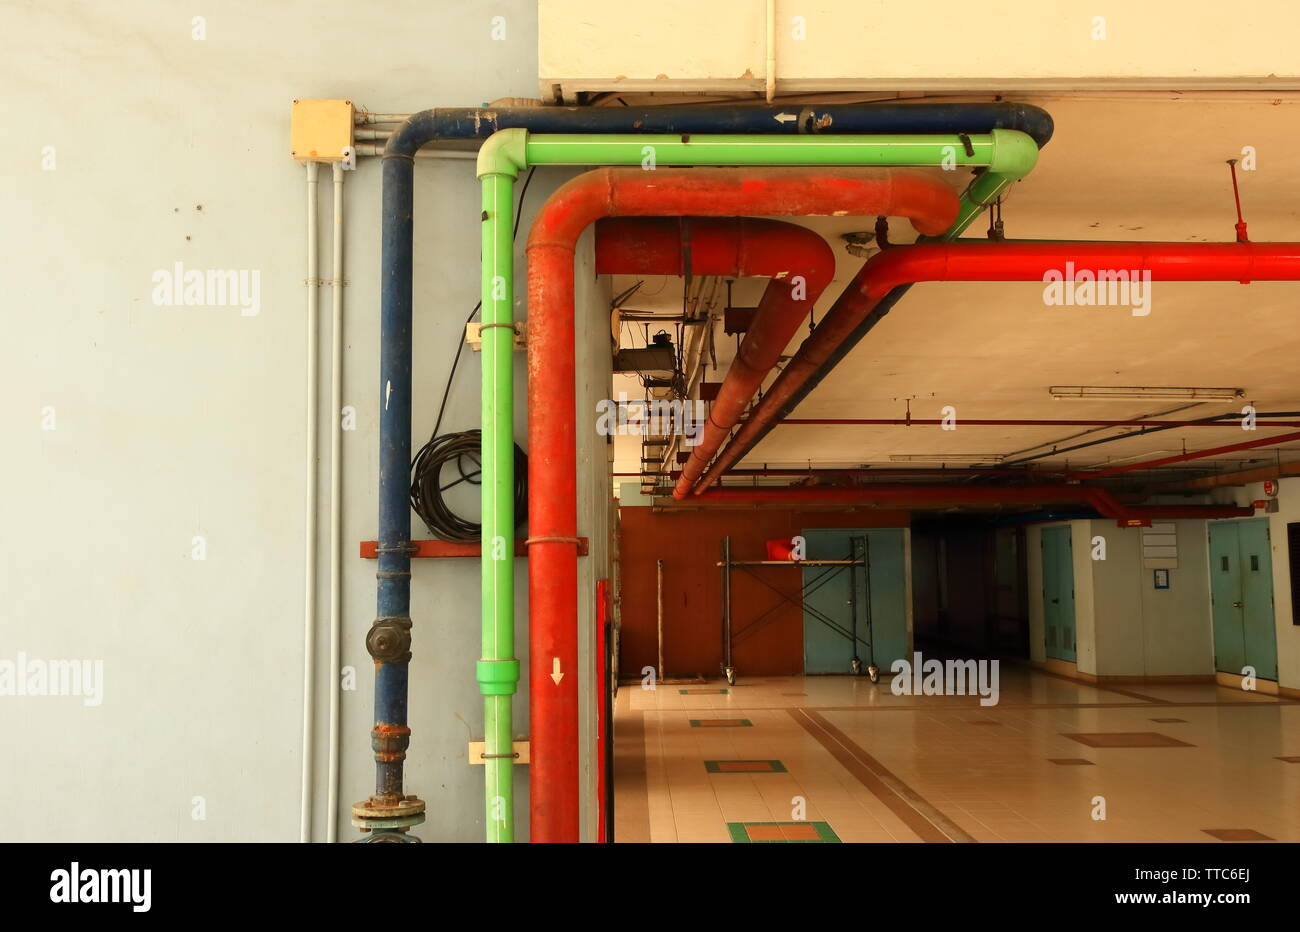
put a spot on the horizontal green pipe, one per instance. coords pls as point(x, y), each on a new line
point(1004, 152)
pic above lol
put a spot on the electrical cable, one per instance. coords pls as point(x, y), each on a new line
point(462, 448)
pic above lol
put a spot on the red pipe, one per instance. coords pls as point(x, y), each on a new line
point(978, 262)
point(797, 260)
point(1184, 457)
point(552, 465)
point(1012, 422)
point(952, 496)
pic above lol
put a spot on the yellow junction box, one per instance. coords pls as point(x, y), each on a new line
point(320, 130)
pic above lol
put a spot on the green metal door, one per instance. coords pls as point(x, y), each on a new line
point(1241, 591)
point(862, 605)
point(1058, 593)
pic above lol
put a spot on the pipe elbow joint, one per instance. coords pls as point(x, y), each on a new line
point(1014, 153)
point(497, 677)
point(407, 139)
point(504, 153)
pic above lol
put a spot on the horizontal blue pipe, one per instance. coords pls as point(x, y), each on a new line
point(838, 119)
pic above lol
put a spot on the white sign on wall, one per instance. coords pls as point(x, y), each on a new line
point(1160, 547)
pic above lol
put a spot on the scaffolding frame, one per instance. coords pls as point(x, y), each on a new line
point(859, 556)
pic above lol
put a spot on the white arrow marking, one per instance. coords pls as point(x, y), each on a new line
point(555, 670)
point(785, 117)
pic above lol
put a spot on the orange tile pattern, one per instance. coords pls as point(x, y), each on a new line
point(886, 768)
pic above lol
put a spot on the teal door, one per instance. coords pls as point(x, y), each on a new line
point(1241, 596)
point(1058, 593)
point(854, 610)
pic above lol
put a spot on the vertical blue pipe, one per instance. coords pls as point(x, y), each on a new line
point(389, 639)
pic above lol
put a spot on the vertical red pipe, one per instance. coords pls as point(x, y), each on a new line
point(552, 466)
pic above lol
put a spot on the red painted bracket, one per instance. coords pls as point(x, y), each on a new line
point(443, 549)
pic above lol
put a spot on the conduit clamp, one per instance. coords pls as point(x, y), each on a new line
point(576, 541)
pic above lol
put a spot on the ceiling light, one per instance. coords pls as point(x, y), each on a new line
point(947, 457)
point(1142, 393)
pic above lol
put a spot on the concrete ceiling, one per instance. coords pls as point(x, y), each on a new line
point(1132, 167)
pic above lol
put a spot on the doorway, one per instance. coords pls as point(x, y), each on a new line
point(1241, 596)
point(1058, 594)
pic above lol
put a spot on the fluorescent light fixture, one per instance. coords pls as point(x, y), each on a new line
point(1142, 393)
point(947, 457)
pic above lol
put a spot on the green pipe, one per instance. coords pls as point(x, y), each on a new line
point(498, 670)
point(1006, 156)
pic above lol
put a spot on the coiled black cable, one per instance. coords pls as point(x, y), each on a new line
point(461, 451)
point(462, 448)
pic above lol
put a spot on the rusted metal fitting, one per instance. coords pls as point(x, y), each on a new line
point(389, 640)
point(390, 742)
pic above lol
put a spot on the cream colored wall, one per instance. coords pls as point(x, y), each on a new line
point(1144, 631)
point(930, 45)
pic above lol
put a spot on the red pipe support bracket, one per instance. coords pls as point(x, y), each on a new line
point(985, 262)
point(552, 457)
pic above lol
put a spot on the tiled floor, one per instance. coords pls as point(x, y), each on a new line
point(857, 763)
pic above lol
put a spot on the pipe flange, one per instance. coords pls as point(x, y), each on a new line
point(372, 809)
point(373, 825)
point(389, 640)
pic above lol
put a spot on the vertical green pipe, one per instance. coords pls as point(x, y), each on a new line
point(498, 670)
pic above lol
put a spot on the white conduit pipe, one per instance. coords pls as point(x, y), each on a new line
point(309, 543)
point(336, 487)
point(771, 50)
point(425, 153)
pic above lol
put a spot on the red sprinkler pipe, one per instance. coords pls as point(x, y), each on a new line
point(552, 458)
point(983, 262)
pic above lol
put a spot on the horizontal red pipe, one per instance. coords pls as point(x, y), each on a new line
point(956, 472)
point(735, 246)
point(1014, 422)
point(552, 461)
point(445, 548)
point(977, 262)
point(1184, 457)
point(951, 496)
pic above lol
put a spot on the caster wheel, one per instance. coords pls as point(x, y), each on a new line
point(731, 676)
point(873, 672)
point(856, 666)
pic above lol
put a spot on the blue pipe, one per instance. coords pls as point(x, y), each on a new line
point(794, 119)
point(389, 639)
